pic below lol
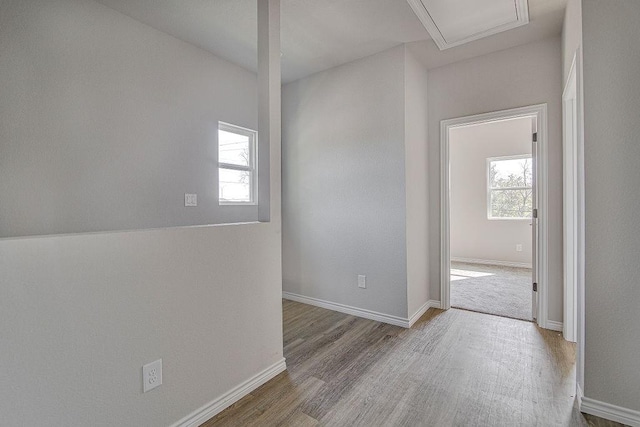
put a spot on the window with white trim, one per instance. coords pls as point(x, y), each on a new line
point(509, 187)
point(237, 175)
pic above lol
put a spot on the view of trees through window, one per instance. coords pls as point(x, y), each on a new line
point(236, 166)
point(510, 187)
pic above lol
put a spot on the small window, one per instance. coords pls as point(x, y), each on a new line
point(509, 187)
point(236, 165)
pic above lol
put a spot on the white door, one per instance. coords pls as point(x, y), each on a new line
point(534, 218)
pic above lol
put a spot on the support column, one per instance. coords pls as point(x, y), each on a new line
point(269, 111)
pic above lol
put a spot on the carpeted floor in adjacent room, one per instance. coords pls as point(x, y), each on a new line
point(503, 291)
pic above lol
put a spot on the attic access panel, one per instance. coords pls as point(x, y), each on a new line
point(455, 22)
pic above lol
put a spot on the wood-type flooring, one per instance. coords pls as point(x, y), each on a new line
point(452, 368)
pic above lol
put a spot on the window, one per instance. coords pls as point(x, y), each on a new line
point(509, 187)
point(236, 165)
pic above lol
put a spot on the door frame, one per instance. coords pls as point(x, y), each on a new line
point(538, 111)
point(576, 72)
point(573, 249)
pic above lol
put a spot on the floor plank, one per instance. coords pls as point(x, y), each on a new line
point(453, 367)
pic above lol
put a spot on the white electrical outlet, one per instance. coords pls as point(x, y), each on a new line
point(362, 281)
point(151, 375)
point(518, 247)
point(190, 199)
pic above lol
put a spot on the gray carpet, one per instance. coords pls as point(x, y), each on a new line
point(503, 291)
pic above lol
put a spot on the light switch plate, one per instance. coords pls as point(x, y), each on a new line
point(362, 281)
point(190, 199)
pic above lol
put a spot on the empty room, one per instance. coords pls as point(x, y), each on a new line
point(491, 223)
point(319, 213)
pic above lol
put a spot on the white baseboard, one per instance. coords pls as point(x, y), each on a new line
point(610, 412)
point(426, 306)
point(553, 325)
point(347, 309)
point(579, 396)
point(492, 262)
point(361, 312)
point(219, 404)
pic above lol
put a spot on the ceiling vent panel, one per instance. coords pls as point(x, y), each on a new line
point(455, 22)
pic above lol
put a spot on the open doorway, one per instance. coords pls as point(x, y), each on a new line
point(491, 192)
point(493, 210)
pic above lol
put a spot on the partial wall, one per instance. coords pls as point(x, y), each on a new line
point(81, 314)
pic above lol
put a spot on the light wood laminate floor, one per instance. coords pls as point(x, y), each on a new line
point(453, 368)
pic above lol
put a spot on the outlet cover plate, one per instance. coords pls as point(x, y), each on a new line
point(151, 375)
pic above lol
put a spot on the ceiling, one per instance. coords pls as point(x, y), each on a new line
point(455, 22)
point(545, 20)
point(319, 34)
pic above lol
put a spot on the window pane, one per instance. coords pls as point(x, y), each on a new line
point(510, 173)
point(233, 148)
point(235, 186)
point(511, 203)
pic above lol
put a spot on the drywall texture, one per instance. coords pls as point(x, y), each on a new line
point(473, 235)
point(611, 129)
point(81, 314)
point(105, 124)
point(416, 181)
point(343, 188)
point(516, 77)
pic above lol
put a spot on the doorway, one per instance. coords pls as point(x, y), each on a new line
point(491, 193)
point(501, 274)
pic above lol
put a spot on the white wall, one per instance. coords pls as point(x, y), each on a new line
point(416, 181)
point(344, 184)
point(106, 123)
point(611, 129)
point(520, 76)
point(473, 235)
point(81, 314)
